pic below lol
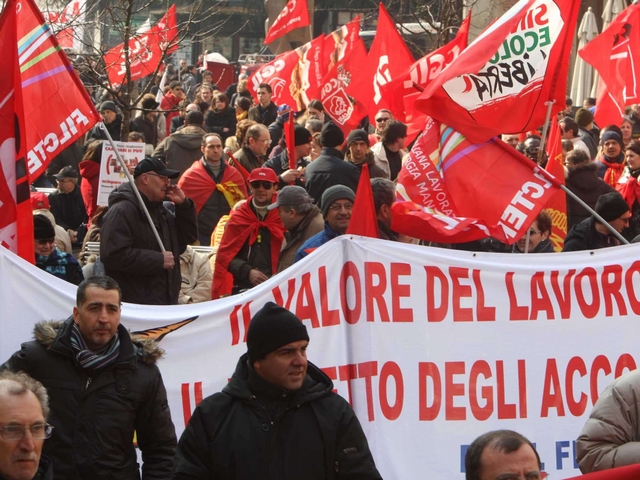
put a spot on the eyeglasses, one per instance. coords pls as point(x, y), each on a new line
point(336, 207)
point(263, 140)
point(259, 183)
point(382, 119)
point(14, 433)
point(45, 241)
point(163, 177)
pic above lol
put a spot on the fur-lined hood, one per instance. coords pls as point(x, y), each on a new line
point(146, 348)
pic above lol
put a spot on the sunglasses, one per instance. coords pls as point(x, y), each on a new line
point(381, 120)
point(45, 241)
point(258, 183)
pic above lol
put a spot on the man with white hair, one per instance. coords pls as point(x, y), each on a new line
point(24, 407)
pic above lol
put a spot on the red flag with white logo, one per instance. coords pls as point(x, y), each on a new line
point(615, 54)
point(16, 221)
point(57, 108)
point(501, 82)
point(451, 190)
point(145, 51)
point(295, 14)
point(388, 58)
point(346, 91)
point(403, 91)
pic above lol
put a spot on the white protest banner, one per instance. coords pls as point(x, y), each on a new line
point(432, 347)
point(111, 174)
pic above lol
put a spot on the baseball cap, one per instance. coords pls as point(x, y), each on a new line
point(67, 172)
point(149, 164)
point(266, 174)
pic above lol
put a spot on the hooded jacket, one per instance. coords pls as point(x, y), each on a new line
point(95, 412)
point(131, 254)
point(254, 429)
point(583, 180)
point(90, 173)
point(610, 437)
point(179, 150)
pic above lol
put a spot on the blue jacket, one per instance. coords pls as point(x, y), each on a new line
point(316, 241)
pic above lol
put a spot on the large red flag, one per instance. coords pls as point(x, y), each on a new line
point(295, 14)
point(451, 190)
point(557, 206)
point(294, 76)
point(403, 91)
point(16, 222)
point(388, 58)
point(615, 54)
point(346, 91)
point(502, 81)
point(57, 108)
point(364, 220)
point(145, 51)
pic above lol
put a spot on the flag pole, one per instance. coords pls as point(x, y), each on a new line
point(545, 130)
point(125, 169)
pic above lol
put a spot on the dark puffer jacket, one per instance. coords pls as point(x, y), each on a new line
point(95, 413)
point(327, 170)
point(131, 254)
point(254, 429)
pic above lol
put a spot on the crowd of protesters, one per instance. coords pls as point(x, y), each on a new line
point(251, 211)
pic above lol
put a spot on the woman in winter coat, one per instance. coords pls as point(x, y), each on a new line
point(629, 187)
point(220, 118)
point(90, 173)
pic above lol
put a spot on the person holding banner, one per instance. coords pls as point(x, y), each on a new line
point(129, 249)
point(278, 417)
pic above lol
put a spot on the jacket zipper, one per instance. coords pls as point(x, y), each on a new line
point(88, 383)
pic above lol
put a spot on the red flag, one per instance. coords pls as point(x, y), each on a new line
point(57, 108)
point(557, 206)
point(630, 472)
point(614, 54)
point(501, 82)
point(388, 58)
point(346, 92)
point(339, 43)
point(145, 51)
point(364, 220)
point(16, 221)
point(451, 190)
point(403, 91)
point(295, 76)
point(294, 15)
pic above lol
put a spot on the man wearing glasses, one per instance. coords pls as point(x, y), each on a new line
point(129, 249)
point(103, 386)
point(252, 239)
point(382, 117)
point(253, 153)
point(337, 205)
point(24, 407)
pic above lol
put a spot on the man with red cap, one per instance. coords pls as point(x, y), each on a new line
point(278, 417)
point(250, 247)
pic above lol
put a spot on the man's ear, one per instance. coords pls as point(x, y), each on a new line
point(75, 314)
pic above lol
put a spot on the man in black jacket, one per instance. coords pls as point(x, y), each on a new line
point(128, 247)
point(278, 417)
point(329, 168)
point(67, 205)
point(103, 386)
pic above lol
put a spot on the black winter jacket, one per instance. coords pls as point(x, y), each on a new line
point(584, 236)
point(95, 413)
point(216, 122)
point(583, 180)
point(327, 170)
point(280, 163)
point(255, 430)
point(264, 115)
point(131, 254)
point(68, 209)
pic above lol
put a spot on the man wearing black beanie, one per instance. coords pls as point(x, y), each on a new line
point(590, 234)
point(329, 168)
point(277, 418)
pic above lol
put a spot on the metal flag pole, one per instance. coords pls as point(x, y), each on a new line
point(125, 169)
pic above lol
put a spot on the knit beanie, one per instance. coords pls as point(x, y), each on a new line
point(611, 206)
point(42, 228)
point(583, 117)
point(331, 194)
point(271, 328)
point(301, 135)
point(358, 136)
point(108, 105)
point(331, 136)
point(611, 135)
